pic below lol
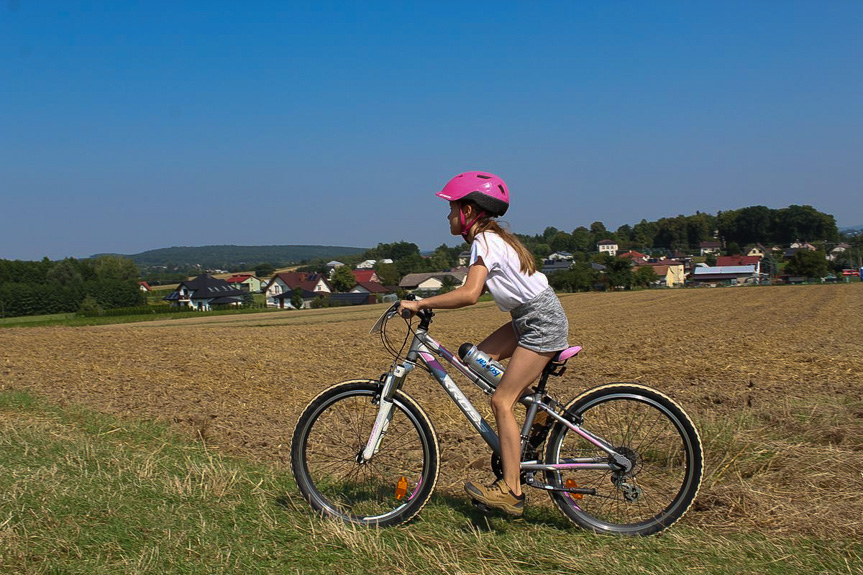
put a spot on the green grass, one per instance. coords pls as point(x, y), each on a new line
point(87, 493)
point(73, 320)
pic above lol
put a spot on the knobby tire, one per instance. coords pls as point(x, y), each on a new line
point(331, 432)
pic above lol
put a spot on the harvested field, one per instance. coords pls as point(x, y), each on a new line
point(773, 377)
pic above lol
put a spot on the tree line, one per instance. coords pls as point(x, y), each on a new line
point(734, 229)
point(67, 286)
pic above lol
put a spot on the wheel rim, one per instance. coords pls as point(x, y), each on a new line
point(363, 492)
point(654, 439)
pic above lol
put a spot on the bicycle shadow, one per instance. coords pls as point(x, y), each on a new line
point(498, 521)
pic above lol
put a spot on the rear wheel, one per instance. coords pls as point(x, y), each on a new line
point(390, 488)
point(654, 434)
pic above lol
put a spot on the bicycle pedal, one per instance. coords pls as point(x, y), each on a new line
point(482, 507)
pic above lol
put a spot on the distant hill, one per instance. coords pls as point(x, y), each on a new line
point(230, 256)
point(853, 230)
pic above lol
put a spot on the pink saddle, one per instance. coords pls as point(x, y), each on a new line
point(564, 355)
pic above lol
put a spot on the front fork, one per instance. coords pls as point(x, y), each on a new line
point(392, 381)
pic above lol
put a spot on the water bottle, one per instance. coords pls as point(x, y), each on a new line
point(481, 364)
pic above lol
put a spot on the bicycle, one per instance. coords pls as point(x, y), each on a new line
point(620, 458)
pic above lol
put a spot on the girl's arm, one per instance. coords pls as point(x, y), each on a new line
point(463, 296)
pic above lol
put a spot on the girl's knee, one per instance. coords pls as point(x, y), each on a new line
point(500, 404)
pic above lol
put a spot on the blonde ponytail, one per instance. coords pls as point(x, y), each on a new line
point(486, 224)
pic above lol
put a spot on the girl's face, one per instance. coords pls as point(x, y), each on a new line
point(454, 218)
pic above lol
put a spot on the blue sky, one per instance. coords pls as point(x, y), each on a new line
point(129, 126)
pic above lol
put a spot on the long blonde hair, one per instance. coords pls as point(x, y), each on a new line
point(527, 264)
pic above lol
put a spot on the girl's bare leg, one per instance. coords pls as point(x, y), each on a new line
point(524, 367)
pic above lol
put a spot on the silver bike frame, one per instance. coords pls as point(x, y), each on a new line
point(423, 349)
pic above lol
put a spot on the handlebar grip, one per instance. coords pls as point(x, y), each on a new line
point(405, 313)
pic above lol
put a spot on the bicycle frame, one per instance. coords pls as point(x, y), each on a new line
point(423, 349)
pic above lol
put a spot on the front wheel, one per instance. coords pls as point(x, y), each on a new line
point(391, 487)
point(651, 431)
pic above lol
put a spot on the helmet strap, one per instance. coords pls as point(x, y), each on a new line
point(465, 226)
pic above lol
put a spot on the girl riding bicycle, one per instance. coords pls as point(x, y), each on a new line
point(500, 264)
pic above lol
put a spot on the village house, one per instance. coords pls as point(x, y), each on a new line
point(732, 261)
point(726, 275)
point(204, 292)
point(607, 247)
point(756, 250)
point(558, 261)
point(370, 264)
point(368, 282)
point(707, 248)
point(246, 282)
point(671, 273)
point(366, 275)
point(636, 257)
point(372, 288)
point(431, 282)
point(281, 288)
point(837, 251)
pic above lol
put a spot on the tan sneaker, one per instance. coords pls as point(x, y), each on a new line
point(497, 496)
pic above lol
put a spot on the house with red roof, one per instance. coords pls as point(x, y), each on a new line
point(733, 261)
point(366, 275)
point(635, 256)
point(281, 288)
point(370, 287)
point(246, 282)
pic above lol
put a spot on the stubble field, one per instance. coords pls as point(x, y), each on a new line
point(772, 376)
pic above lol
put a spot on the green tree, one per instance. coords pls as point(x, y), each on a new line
point(644, 234)
point(265, 270)
point(343, 279)
point(644, 276)
point(388, 274)
point(618, 272)
point(808, 264)
point(581, 239)
point(579, 277)
point(297, 298)
point(114, 268)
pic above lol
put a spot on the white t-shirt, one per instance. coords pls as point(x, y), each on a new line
point(507, 284)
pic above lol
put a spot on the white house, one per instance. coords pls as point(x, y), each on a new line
point(431, 282)
point(710, 248)
point(607, 247)
point(281, 288)
point(204, 292)
point(560, 257)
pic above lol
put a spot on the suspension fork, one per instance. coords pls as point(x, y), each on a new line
point(392, 382)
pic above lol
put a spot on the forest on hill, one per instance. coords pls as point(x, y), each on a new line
point(229, 257)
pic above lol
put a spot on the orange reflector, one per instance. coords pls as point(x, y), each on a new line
point(401, 488)
point(570, 484)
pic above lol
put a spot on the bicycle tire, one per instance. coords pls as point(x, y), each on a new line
point(331, 432)
point(653, 432)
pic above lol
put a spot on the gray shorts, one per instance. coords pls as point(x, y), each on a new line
point(540, 324)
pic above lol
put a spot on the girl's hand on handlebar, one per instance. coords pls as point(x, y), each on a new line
point(408, 308)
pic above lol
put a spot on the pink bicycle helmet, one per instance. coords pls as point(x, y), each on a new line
point(487, 191)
